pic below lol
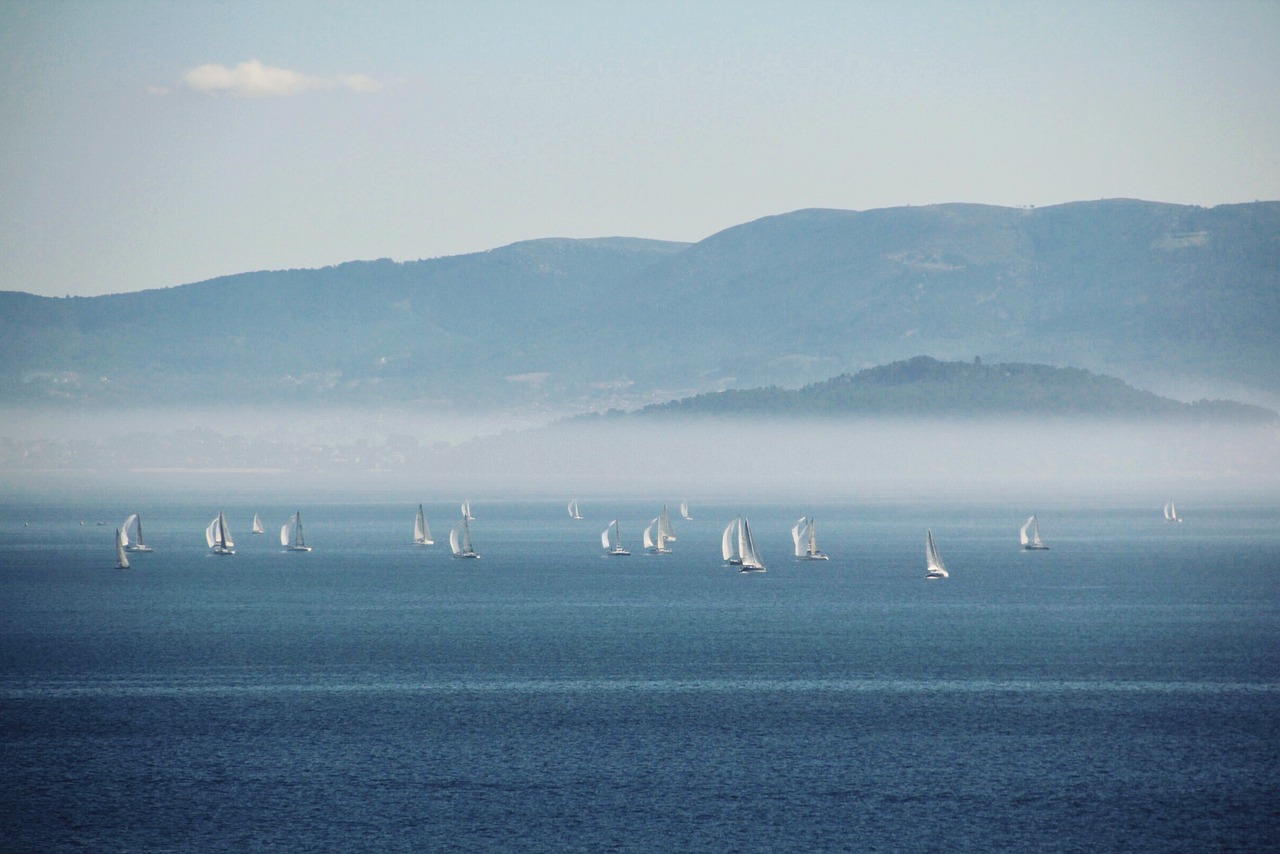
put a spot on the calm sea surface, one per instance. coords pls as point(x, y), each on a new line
point(1120, 692)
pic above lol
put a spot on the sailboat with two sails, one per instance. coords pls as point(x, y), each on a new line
point(1171, 513)
point(218, 536)
point(613, 544)
point(573, 510)
point(1029, 536)
point(658, 534)
point(460, 540)
point(738, 547)
point(804, 535)
point(421, 533)
point(291, 535)
point(133, 543)
point(257, 525)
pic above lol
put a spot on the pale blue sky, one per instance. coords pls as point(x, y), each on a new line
point(135, 154)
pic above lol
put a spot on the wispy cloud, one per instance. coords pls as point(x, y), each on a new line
point(254, 79)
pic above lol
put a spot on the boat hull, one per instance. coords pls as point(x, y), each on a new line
point(1032, 547)
point(138, 548)
point(618, 553)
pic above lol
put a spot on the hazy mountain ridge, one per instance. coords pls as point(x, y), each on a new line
point(928, 388)
point(1169, 297)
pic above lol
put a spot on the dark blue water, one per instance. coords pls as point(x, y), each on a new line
point(1118, 692)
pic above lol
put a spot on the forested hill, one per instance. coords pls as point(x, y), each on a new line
point(1179, 299)
point(925, 387)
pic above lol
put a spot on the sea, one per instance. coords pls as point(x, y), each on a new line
point(1118, 692)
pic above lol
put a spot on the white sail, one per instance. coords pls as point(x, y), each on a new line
point(225, 537)
point(257, 525)
point(933, 563)
point(466, 511)
point(664, 527)
point(291, 535)
point(124, 529)
point(460, 540)
point(727, 541)
point(747, 549)
point(122, 560)
point(218, 536)
point(812, 552)
point(684, 511)
point(573, 510)
point(648, 534)
point(797, 532)
point(1171, 513)
point(614, 548)
point(1030, 536)
point(421, 532)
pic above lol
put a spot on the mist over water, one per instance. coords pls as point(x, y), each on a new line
point(368, 453)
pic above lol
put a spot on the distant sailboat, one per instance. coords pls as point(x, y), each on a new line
point(1171, 513)
point(421, 533)
point(613, 546)
point(729, 542)
point(218, 536)
point(1031, 542)
point(122, 560)
point(804, 535)
point(933, 564)
point(658, 546)
point(684, 511)
point(133, 523)
point(291, 535)
point(460, 539)
point(747, 550)
point(573, 510)
point(257, 525)
point(466, 511)
point(664, 525)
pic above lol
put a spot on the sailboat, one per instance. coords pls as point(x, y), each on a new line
point(573, 510)
point(805, 538)
point(257, 525)
point(466, 511)
point(134, 523)
point(218, 536)
point(1031, 543)
point(1171, 513)
point(933, 567)
point(122, 560)
point(460, 539)
point(613, 546)
point(421, 533)
point(728, 542)
point(664, 525)
point(684, 511)
point(658, 546)
point(747, 550)
point(291, 535)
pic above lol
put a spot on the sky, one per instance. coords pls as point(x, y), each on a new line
point(149, 144)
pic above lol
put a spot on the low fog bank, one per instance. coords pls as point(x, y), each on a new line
point(1016, 459)
point(890, 459)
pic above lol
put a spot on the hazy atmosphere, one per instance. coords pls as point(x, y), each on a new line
point(150, 144)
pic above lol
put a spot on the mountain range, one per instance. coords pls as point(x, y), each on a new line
point(1181, 299)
